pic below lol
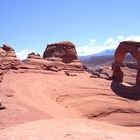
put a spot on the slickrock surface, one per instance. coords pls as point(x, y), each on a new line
point(68, 129)
point(56, 95)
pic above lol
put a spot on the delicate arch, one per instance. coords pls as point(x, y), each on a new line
point(126, 47)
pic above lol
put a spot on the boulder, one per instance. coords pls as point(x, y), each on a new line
point(64, 50)
point(68, 73)
point(103, 72)
point(64, 56)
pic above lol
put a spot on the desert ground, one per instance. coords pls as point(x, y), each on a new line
point(51, 105)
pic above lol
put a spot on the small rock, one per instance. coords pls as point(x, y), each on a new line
point(103, 76)
point(70, 74)
point(94, 76)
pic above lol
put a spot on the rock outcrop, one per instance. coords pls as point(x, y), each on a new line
point(7, 51)
point(36, 62)
point(126, 47)
point(34, 56)
point(103, 72)
point(63, 55)
point(64, 50)
point(56, 57)
point(8, 59)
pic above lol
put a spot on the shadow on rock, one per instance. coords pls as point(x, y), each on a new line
point(126, 91)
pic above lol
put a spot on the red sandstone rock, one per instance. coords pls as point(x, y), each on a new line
point(2, 53)
point(8, 59)
point(1, 75)
point(64, 50)
point(126, 47)
point(46, 95)
point(102, 72)
point(57, 56)
point(64, 56)
point(9, 51)
point(117, 73)
point(33, 56)
point(9, 63)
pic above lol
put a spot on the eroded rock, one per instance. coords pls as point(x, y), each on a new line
point(103, 72)
point(64, 50)
point(34, 56)
point(126, 47)
point(64, 56)
point(8, 60)
point(9, 51)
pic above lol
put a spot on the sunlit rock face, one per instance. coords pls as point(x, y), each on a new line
point(8, 60)
point(7, 51)
point(64, 50)
point(63, 55)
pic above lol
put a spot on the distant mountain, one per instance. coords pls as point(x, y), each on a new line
point(104, 58)
point(97, 61)
point(106, 52)
point(109, 52)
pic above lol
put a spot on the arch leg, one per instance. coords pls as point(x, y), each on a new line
point(117, 73)
point(138, 77)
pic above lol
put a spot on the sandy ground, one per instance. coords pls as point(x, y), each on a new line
point(33, 96)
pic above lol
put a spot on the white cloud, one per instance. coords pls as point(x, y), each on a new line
point(132, 38)
point(110, 43)
point(22, 54)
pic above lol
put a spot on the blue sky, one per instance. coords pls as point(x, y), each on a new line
point(93, 25)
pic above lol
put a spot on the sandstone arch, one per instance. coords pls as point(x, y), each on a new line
point(126, 47)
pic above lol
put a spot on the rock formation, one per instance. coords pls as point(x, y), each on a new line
point(126, 47)
point(102, 72)
point(7, 51)
point(8, 58)
point(36, 62)
point(34, 56)
point(64, 50)
point(63, 55)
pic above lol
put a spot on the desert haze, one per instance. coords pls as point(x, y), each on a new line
point(57, 97)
